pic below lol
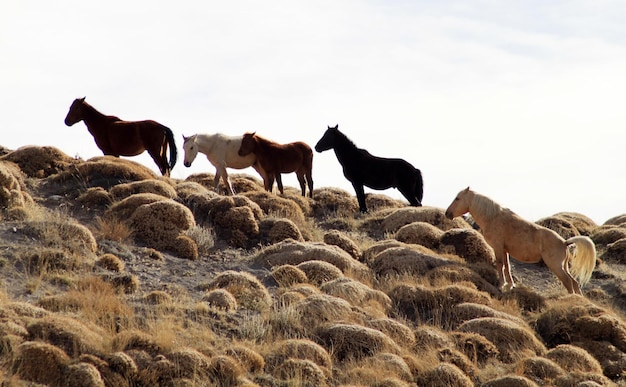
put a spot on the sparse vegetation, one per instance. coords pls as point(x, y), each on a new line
point(111, 276)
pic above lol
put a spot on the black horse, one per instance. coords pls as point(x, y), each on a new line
point(361, 168)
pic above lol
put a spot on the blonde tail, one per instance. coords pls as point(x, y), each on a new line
point(582, 258)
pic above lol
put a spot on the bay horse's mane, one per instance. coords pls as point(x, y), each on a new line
point(485, 206)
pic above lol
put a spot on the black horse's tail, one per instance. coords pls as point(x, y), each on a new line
point(419, 185)
point(172, 144)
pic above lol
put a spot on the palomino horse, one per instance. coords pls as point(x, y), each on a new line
point(117, 138)
point(277, 158)
point(363, 169)
point(507, 233)
point(221, 151)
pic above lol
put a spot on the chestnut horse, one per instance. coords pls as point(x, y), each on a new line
point(221, 151)
point(276, 158)
point(507, 233)
point(117, 138)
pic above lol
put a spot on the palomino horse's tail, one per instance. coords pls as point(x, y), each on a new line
point(419, 185)
point(170, 140)
point(581, 252)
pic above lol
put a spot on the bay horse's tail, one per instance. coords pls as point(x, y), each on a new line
point(582, 256)
point(419, 185)
point(172, 144)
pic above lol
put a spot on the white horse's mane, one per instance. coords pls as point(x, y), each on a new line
point(485, 206)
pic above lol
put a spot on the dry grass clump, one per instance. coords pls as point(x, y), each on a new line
point(157, 297)
point(444, 375)
point(468, 244)
point(616, 220)
point(40, 362)
point(225, 370)
point(186, 189)
point(124, 209)
point(39, 162)
point(245, 183)
point(110, 262)
point(293, 253)
point(333, 202)
point(160, 224)
point(400, 333)
point(539, 369)
point(435, 216)
point(615, 252)
point(220, 299)
point(249, 359)
point(513, 341)
point(69, 334)
point(288, 275)
point(420, 233)
point(63, 233)
point(318, 309)
point(189, 363)
point(274, 230)
point(353, 342)
point(607, 235)
point(375, 202)
point(302, 349)
point(83, 374)
point(301, 372)
point(476, 347)
point(104, 171)
point(457, 273)
point(357, 294)
point(277, 206)
point(511, 381)
point(409, 260)
point(560, 225)
point(95, 197)
point(14, 199)
point(574, 359)
point(234, 218)
point(341, 240)
point(582, 223)
point(158, 187)
point(423, 304)
point(134, 341)
point(582, 379)
point(41, 261)
point(319, 272)
point(247, 289)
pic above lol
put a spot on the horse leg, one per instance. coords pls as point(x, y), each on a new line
point(226, 180)
point(504, 270)
point(160, 161)
point(269, 182)
point(559, 268)
point(279, 182)
point(309, 181)
point(302, 183)
point(508, 278)
point(360, 195)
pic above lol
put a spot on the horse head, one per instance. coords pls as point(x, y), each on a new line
point(460, 205)
point(76, 112)
point(248, 144)
point(328, 139)
point(190, 148)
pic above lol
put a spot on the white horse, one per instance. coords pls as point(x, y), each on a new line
point(222, 151)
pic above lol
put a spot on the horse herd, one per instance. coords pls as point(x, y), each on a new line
point(571, 260)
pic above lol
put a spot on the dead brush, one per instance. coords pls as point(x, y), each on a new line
point(113, 229)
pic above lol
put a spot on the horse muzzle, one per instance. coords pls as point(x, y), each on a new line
point(187, 164)
point(449, 215)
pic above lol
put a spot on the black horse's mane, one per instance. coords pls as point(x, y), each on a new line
point(347, 140)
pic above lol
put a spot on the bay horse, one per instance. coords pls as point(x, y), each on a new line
point(221, 151)
point(116, 137)
point(509, 234)
point(276, 158)
point(363, 169)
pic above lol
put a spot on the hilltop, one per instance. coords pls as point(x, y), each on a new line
point(113, 276)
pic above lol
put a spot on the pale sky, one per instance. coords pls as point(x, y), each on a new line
point(521, 100)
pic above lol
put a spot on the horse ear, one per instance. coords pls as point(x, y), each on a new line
point(334, 127)
point(467, 189)
point(185, 138)
point(83, 99)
